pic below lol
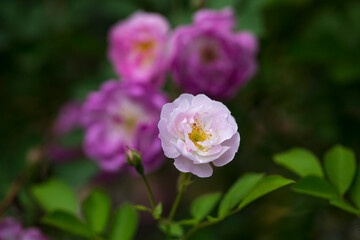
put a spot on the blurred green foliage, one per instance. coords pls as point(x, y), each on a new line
point(340, 167)
point(306, 92)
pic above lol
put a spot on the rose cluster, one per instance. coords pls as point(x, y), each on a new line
point(12, 230)
point(206, 57)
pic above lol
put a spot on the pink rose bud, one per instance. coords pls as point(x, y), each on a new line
point(133, 158)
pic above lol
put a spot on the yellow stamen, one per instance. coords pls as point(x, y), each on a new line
point(145, 46)
point(198, 134)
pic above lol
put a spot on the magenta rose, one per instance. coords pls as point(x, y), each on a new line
point(208, 57)
point(10, 229)
point(121, 115)
point(137, 48)
point(196, 131)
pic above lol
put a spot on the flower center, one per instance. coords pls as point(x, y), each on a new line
point(208, 54)
point(126, 118)
point(145, 45)
point(130, 124)
point(198, 134)
point(145, 53)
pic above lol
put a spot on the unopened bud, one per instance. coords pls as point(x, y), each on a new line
point(134, 159)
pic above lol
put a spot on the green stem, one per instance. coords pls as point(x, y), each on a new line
point(197, 227)
point(151, 196)
point(182, 187)
point(183, 181)
point(12, 193)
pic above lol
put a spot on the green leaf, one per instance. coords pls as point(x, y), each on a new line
point(203, 205)
point(355, 189)
point(96, 210)
point(55, 195)
point(238, 191)
point(213, 219)
point(340, 167)
point(340, 203)
point(69, 223)
point(315, 186)
point(188, 222)
point(157, 211)
point(265, 186)
point(175, 229)
point(300, 161)
point(143, 208)
point(124, 224)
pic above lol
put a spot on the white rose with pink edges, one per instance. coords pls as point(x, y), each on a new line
point(197, 131)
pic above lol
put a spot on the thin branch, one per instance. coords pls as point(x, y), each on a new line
point(12, 193)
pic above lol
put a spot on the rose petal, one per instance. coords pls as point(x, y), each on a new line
point(248, 41)
point(113, 164)
point(200, 170)
point(167, 140)
point(233, 144)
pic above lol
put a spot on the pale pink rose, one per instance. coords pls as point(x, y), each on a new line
point(137, 48)
point(197, 131)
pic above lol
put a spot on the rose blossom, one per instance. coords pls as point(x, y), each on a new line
point(197, 131)
point(137, 48)
point(12, 230)
point(207, 57)
point(121, 115)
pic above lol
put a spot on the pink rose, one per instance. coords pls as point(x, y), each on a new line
point(197, 131)
point(121, 115)
point(209, 57)
point(137, 48)
point(10, 229)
